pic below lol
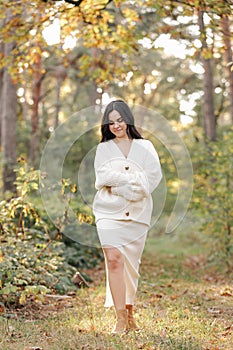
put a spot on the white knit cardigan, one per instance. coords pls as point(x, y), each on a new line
point(112, 168)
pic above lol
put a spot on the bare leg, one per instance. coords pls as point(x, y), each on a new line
point(115, 265)
point(116, 277)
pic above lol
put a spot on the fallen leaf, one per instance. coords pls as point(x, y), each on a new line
point(196, 307)
point(174, 297)
point(79, 280)
point(2, 308)
point(226, 292)
point(214, 311)
point(226, 333)
point(222, 339)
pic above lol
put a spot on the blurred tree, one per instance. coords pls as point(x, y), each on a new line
point(1, 82)
point(208, 106)
point(226, 31)
point(36, 95)
point(8, 116)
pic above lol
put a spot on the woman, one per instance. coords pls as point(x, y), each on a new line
point(127, 170)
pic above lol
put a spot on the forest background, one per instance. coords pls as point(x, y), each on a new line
point(61, 57)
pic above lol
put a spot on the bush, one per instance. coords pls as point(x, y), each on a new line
point(213, 195)
point(35, 258)
point(29, 268)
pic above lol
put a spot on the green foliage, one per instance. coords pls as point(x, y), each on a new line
point(18, 212)
point(213, 195)
point(34, 258)
point(29, 268)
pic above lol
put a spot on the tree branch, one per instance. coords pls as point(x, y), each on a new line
point(78, 3)
point(75, 3)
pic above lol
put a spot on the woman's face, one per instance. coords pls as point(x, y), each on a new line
point(117, 125)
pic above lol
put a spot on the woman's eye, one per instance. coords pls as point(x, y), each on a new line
point(121, 120)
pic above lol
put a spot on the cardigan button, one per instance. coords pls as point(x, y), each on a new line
point(126, 168)
point(127, 213)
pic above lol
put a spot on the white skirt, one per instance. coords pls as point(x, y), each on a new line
point(129, 237)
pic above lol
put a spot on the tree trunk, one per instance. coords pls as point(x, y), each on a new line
point(208, 108)
point(93, 94)
point(1, 97)
point(35, 112)
point(58, 100)
point(9, 104)
point(59, 72)
point(1, 83)
point(229, 58)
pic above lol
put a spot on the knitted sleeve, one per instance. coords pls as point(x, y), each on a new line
point(105, 175)
point(152, 168)
point(150, 176)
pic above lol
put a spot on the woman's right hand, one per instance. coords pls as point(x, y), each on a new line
point(129, 191)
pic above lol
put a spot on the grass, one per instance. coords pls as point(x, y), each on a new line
point(181, 304)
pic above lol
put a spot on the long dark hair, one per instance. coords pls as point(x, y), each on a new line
point(123, 109)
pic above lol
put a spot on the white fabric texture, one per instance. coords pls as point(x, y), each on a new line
point(130, 191)
point(141, 169)
point(129, 237)
point(123, 214)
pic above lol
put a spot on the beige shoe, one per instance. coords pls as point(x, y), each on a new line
point(131, 321)
point(121, 323)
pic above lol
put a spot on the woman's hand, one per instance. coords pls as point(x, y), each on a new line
point(130, 191)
